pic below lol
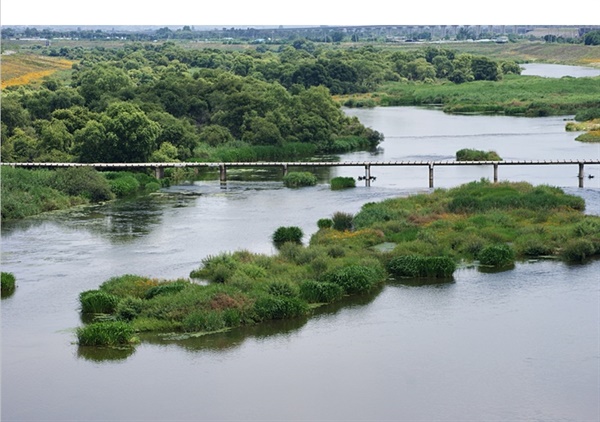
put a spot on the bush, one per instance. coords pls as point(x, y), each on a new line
point(342, 221)
point(129, 308)
point(124, 185)
point(342, 183)
point(354, 278)
point(279, 307)
point(287, 234)
point(299, 179)
point(110, 333)
point(166, 288)
point(496, 255)
point(8, 284)
point(467, 154)
point(577, 250)
point(320, 292)
point(82, 181)
point(281, 288)
point(325, 223)
point(95, 301)
point(416, 266)
point(204, 321)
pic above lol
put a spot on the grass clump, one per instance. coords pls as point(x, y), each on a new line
point(287, 234)
point(338, 183)
point(467, 154)
point(299, 179)
point(342, 221)
point(497, 255)
point(96, 301)
point(8, 284)
point(108, 333)
point(415, 266)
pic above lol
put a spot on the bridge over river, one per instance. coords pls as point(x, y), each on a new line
point(160, 167)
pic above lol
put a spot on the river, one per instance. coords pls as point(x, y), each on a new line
point(517, 345)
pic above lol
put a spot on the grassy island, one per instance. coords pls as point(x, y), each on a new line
point(427, 236)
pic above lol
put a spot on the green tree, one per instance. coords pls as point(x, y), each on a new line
point(485, 69)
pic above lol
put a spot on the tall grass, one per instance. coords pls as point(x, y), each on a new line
point(297, 179)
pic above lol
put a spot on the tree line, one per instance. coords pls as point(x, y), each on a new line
point(162, 102)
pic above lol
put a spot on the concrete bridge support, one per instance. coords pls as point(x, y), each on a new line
point(431, 175)
point(368, 175)
point(580, 175)
point(495, 172)
point(159, 172)
point(223, 173)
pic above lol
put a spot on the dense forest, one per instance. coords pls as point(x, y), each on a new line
point(162, 102)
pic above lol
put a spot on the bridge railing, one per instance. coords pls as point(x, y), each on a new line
point(160, 167)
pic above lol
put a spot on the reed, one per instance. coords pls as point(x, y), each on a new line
point(109, 333)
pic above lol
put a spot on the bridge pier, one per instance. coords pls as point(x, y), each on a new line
point(431, 175)
point(495, 172)
point(368, 175)
point(223, 173)
point(159, 172)
point(580, 175)
point(285, 170)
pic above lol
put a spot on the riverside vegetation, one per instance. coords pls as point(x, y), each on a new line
point(479, 223)
point(30, 192)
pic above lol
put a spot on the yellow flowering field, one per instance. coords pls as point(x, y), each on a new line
point(23, 69)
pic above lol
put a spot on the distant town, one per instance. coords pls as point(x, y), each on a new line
point(323, 33)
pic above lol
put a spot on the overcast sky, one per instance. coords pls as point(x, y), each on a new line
point(302, 12)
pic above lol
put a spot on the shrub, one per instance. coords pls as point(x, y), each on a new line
point(325, 223)
point(166, 288)
point(281, 288)
point(124, 185)
point(342, 183)
point(204, 321)
point(108, 333)
point(287, 234)
point(342, 221)
point(82, 181)
point(577, 250)
point(129, 308)
point(279, 307)
point(299, 179)
point(354, 278)
point(467, 154)
point(416, 266)
point(320, 291)
point(7, 284)
point(496, 255)
point(96, 301)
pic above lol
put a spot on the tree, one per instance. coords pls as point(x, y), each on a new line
point(124, 134)
point(485, 69)
point(462, 69)
point(102, 80)
point(592, 38)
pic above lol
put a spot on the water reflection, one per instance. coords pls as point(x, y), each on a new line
point(270, 330)
point(104, 354)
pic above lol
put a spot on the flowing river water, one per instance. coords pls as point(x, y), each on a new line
point(522, 344)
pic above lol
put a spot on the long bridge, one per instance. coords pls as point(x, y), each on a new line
point(160, 167)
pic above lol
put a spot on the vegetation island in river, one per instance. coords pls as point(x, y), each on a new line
point(419, 239)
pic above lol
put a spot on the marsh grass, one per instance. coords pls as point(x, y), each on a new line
point(113, 333)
